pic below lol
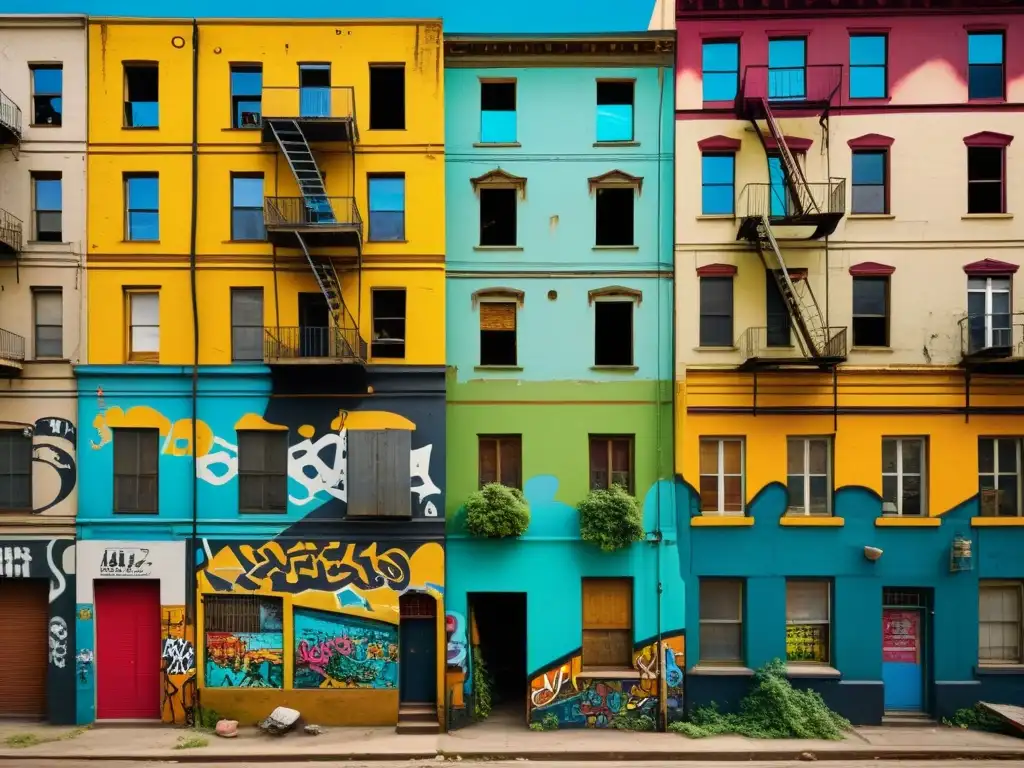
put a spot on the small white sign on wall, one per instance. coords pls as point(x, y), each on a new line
point(126, 561)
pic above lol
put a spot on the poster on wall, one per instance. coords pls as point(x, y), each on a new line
point(126, 561)
point(900, 632)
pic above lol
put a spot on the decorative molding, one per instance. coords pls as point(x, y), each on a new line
point(616, 178)
point(988, 139)
point(717, 270)
point(989, 267)
point(871, 269)
point(871, 141)
point(631, 49)
point(512, 294)
point(615, 290)
point(501, 180)
point(719, 144)
point(796, 144)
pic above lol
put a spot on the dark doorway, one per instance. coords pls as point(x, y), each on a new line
point(417, 643)
point(500, 619)
point(314, 325)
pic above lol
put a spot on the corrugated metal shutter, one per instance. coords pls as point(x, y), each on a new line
point(378, 473)
point(497, 316)
point(24, 647)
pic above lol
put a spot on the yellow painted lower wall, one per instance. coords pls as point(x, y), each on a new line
point(339, 708)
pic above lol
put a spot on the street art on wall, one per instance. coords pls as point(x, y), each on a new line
point(337, 651)
point(178, 662)
point(244, 660)
point(53, 446)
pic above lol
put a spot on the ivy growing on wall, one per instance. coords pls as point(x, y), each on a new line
point(497, 512)
point(482, 696)
point(611, 519)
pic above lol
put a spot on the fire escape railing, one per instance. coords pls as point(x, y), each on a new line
point(10, 115)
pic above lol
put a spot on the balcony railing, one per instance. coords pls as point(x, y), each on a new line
point(789, 87)
point(776, 201)
point(10, 120)
point(327, 113)
point(311, 344)
point(10, 233)
point(764, 345)
point(998, 336)
point(323, 221)
point(12, 350)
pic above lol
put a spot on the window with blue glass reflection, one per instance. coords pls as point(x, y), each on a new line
point(869, 177)
point(787, 69)
point(615, 110)
point(142, 206)
point(246, 95)
point(141, 95)
point(247, 207)
point(720, 69)
point(498, 112)
point(717, 184)
point(387, 208)
point(47, 92)
point(867, 66)
point(985, 51)
point(314, 90)
point(46, 189)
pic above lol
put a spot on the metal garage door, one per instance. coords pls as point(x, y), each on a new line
point(24, 647)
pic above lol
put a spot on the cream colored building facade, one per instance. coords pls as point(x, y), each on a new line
point(43, 75)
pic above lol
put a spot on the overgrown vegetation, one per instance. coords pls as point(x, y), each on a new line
point(206, 719)
point(23, 740)
point(633, 721)
point(773, 709)
point(547, 723)
point(482, 696)
point(497, 512)
point(611, 519)
point(191, 742)
point(977, 718)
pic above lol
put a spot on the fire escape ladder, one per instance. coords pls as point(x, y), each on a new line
point(300, 159)
point(796, 183)
point(803, 308)
point(327, 279)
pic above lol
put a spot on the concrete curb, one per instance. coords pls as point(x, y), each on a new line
point(790, 755)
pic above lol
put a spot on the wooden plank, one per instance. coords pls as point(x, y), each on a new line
point(1008, 713)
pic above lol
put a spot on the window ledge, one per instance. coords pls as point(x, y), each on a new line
point(497, 247)
point(722, 670)
point(811, 521)
point(716, 349)
point(616, 248)
point(51, 360)
point(497, 367)
point(999, 669)
point(45, 125)
point(41, 244)
point(609, 674)
point(997, 522)
point(970, 216)
point(873, 350)
point(721, 521)
point(629, 143)
point(907, 522)
point(497, 144)
point(812, 670)
point(987, 100)
point(247, 129)
point(137, 242)
point(140, 127)
point(716, 217)
point(870, 216)
point(370, 241)
point(245, 242)
point(623, 368)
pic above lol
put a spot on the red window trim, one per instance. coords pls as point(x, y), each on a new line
point(719, 143)
point(876, 141)
point(991, 268)
point(796, 144)
point(887, 180)
point(988, 139)
point(717, 270)
point(871, 269)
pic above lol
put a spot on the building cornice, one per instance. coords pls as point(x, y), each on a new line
point(637, 49)
point(693, 10)
point(43, 21)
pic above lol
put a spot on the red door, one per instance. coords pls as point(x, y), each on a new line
point(127, 650)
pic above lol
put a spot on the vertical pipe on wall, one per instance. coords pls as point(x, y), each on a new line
point(190, 561)
point(659, 415)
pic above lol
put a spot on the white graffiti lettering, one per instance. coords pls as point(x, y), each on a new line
point(57, 582)
point(58, 641)
point(330, 479)
point(179, 655)
point(15, 562)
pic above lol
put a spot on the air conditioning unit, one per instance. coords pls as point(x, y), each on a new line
point(250, 118)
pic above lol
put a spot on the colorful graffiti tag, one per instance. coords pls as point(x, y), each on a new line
point(337, 651)
point(178, 667)
point(244, 660)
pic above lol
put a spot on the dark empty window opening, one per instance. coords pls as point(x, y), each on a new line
point(776, 312)
point(387, 97)
point(985, 180)
point(498, 217)
point(615, 216)
point(871, 312)
point(613, 333)
point(141, 95)
point(388, 323)
point(498, 333)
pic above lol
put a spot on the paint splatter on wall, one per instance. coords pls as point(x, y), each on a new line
point(337, 651)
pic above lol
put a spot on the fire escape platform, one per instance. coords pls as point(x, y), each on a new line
point(12, 353)
point(824, 224)
point(993, 344)
point(323, 222)
point(318, 130)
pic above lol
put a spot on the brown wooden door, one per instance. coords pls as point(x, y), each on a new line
point(24, 647)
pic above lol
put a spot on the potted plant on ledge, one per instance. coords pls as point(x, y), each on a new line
point(497, 512)
point(611, 519)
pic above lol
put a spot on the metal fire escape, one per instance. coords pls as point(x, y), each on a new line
point(10, 137)
point(328, 230)
point(790, 201)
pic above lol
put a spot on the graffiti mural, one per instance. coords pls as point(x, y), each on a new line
point(337, 651)
point(53, 446)
point(455, 628)
point(178, 666)
point(244, 660)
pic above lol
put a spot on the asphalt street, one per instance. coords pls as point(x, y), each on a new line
point(529, 764)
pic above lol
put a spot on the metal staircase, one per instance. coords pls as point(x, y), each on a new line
point(296, 150)
point(348, 342)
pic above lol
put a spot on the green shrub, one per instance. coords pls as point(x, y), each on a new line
point(977, 718)
point(547, 723)
point(497, 512)
point(773, 709)
point(633, 721)
point(611, 519)
point(482, 698)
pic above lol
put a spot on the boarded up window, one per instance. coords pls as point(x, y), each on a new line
point(498, 333)
point(501, 460)
point(263, 471)
point(607, 623)
point(242, 613)
point(136, 453)
point(378, 474)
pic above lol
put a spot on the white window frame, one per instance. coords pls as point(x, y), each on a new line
point(1003, 584)
point(994, 474)
point(989, 291)
point(827, 621)
point(899, 474)
point(738, 621)
point(805, 444)
point(720, 474)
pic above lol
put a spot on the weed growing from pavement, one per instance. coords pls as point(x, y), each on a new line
point(977, 718)
point(23, 740)
point(191, 742)
point(547, 723)
point(773, 709)
point(633, 721)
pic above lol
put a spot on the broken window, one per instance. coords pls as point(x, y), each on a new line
point(262, 470)
point(388, 323)
point(498, 333)
point(497, 216)
point(136, 470)
point(378, 473)
point(141, 95)
point(985, 180)
point(615, 216)
point(387, 97)
point(613, 333)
